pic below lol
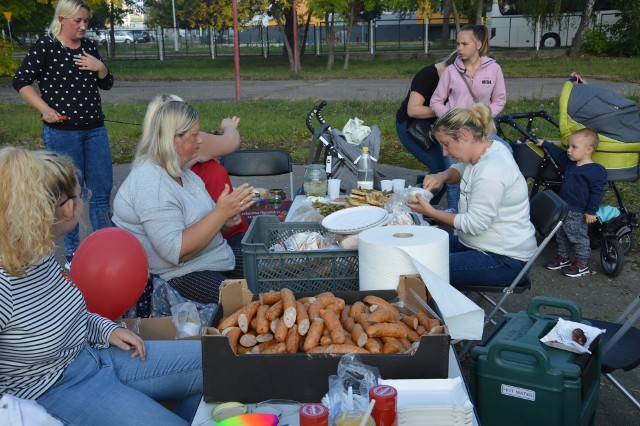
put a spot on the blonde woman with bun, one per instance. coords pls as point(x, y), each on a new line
point(495, 237)
point(84, 369)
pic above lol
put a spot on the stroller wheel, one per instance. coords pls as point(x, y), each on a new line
point(626, 240)
point(612, 257)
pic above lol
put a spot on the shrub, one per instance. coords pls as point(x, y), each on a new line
point(8, 65)
point(597, 41)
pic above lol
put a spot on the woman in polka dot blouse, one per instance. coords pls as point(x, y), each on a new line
point(69, 72)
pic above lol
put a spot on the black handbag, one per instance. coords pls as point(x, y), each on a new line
point(420, 130)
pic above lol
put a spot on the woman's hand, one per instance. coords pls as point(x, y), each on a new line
point(127, 340)
point(86, 62)
point(52, 116)
point(231, 222)
point(433, 182)
point(421, 206)
point(233, 203)
point(230, 122)
point(539, 142)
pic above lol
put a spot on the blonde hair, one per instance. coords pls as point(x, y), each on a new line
point(171, 119)
point(588, 135)
point(451, 58)
point(477, 119)
point(481, 34)
point(66, 9)
point(153, 107)
point(31, 184)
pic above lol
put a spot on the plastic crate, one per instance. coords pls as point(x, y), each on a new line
point(309, 270)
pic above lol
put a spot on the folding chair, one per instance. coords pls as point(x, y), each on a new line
point(547, 212)
point(259, 162)
point(621, 345)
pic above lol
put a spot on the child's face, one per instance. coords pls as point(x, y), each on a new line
point(579, 149)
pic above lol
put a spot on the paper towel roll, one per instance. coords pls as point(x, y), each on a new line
point(385, 253)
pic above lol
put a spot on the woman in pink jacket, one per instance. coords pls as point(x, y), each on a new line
point(472, 78)
point(473, 67)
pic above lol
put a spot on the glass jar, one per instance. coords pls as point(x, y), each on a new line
point(315, 181)
point(275, 196)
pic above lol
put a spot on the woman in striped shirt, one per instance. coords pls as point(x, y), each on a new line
point(81, 367)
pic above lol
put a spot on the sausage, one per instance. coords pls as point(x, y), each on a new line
point(302, 319)
point(270, 297)
point(289, 307)
point(378, 301)
point(386, 329)
point(333, 325)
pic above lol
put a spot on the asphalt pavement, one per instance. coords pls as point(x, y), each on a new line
point(352, 89)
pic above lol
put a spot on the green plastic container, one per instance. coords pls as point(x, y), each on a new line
point(300, 271)
point(516, 379)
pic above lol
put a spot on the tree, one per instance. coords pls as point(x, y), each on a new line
point(578, 40)
point(626, 32)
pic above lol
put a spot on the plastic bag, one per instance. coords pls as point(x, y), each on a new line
point(306, 213)
point(349, 389)
point(186, 318)
point(165, 297)
point(354, 131)
point(305, 241)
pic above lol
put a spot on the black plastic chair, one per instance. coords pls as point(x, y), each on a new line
point(259, 162)
point(621, 345)
point(547, 212)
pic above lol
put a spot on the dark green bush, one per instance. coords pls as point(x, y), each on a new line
point(597, 41)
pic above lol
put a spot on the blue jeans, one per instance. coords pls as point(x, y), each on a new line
point(433, 158)
point(469, 267)
point(90, 152)
point(107, 387)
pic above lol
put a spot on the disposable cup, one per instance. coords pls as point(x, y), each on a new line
point(386, 185)
point(398, 185)
point(334, 188)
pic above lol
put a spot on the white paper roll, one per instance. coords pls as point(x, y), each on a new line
point(385, 253)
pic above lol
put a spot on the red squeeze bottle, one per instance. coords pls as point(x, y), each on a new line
point(385, 410)
point(314, 415)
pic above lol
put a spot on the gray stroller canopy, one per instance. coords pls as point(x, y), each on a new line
point(606, 112)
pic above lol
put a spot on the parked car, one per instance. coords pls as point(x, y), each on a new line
point(141, 36)
point(98, 36)
point(124, 37)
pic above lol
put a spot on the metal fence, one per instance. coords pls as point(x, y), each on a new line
point(407, 35)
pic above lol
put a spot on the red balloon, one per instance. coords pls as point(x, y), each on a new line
point(110, 268)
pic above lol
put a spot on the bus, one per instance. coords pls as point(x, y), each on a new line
point(509, 28)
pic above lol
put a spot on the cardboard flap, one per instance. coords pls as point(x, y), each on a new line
point(236, 294)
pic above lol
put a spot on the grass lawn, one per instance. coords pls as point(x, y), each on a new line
point(280, 124)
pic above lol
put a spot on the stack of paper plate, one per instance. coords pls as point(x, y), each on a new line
point(355, 219)
point(437, 402)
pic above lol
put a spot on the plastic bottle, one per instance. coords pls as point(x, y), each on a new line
point(365, 170)
point(385, 410)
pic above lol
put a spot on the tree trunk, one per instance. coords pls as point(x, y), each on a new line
point(285, 39)
point(480, 12)
point(305, 35)
point(112, 36)
point(444, 38)
point(578, 40)
point(331, 41)
point(456, 16)
point(352, 13)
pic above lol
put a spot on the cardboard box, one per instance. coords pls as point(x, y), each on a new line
point(160, 328)
point(304, 377)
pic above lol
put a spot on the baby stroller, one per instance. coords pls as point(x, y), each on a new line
point(330, 146)
point(617, 122)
